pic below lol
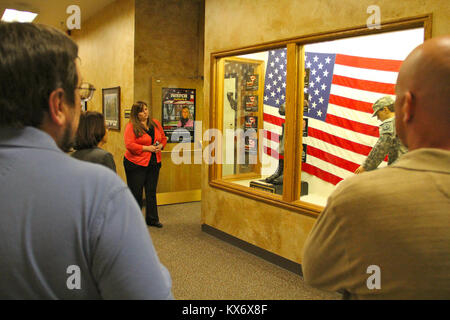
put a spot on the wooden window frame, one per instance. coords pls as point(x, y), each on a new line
point(291, 199)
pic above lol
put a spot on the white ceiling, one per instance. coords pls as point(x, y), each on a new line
point(53, 12)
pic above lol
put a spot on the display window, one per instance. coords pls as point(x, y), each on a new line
point(295, 117)
point(343, 78)
point(253, 91)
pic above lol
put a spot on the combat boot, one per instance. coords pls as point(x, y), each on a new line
point(277, 173)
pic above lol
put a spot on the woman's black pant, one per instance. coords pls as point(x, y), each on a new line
point(139, 178)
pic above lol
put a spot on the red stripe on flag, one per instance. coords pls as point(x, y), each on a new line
point(351, 103)
point(352, 125)
point(368, 63)
point(271, 152)
point(339, 142)
point(271, 136)
point(273, 119)
point(330, 158)
point(385, 88)
point(324, 175)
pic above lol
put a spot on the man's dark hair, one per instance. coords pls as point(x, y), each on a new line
point(34, 61)
point(91, 130)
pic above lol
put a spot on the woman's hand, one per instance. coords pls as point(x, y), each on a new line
point(150, 148)
point(158, 148)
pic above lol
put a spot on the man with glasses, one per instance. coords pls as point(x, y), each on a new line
point(69, 229)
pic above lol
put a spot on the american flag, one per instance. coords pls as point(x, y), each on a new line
point(274, 97)
point(341, 130)
point(340, 92)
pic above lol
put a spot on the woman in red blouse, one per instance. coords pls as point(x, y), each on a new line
point(144, 140)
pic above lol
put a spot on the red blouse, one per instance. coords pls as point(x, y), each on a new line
point(135, 145)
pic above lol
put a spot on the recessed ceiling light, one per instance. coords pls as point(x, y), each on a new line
point(12, 15)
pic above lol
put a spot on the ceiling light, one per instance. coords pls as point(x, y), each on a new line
point(12, 15)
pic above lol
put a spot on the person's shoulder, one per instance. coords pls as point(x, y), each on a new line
point(359, 188)
point(88, 173)
point(90, 153)
point(78, 154)
point(388, 126)
point(129, 126)
point(100, 151)
point(157, 122)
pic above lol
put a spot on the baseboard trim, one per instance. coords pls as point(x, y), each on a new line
point(178, 197)
point(259, 252)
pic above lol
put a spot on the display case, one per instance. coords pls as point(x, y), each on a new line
point(242, 85)
point(327, 85)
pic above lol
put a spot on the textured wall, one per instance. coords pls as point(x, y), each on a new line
point(106, 44)
point(169, 42)
point(239, 23)
point(169, 47)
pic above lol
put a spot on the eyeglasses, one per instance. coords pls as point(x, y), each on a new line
point(86, 91)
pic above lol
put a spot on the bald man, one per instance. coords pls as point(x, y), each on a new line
point(385, 234)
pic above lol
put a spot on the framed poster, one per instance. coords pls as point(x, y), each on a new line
point(304, 152)
point(251, 82)
point(111, 107)
point(251, 122)
point(251, 103)
point(305, 127)
point(178, 114)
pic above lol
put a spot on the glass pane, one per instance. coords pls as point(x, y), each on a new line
point(254, 93)
point(343, 78)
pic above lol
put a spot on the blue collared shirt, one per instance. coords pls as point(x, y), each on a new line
point(70, 229)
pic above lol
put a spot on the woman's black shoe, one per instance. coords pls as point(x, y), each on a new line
point(155, 224)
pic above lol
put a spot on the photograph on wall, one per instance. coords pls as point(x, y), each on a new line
point(304, 150)
point(251, 82)
point(306, 93)
point(251, 122)
point(178, 114)
point(306, 104)
point(305, 127)
point(251, 103)
point(251, 144)
point(111, 107)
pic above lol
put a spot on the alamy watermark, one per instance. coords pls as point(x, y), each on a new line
point(74, 280)
point(374, 281)
point(374, 21)
point(237, 146)
point(74, 20)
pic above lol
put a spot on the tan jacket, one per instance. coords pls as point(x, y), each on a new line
point(396, 218)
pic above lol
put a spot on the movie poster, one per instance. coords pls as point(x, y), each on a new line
point(178, 114)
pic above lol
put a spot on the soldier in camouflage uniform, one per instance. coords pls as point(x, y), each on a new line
point(388, 143)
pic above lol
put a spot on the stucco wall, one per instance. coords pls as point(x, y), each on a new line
point(235, 23)
point(169, 42)
point(106, 49)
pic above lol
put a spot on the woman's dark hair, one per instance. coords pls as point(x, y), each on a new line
point(34, 61)
point(138, 128)
point(91, 130)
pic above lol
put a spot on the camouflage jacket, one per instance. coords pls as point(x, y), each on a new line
point(388, 144)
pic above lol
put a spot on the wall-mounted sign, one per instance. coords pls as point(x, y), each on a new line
point(178, 114)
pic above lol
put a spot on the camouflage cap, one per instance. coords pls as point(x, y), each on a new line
point(381, 103)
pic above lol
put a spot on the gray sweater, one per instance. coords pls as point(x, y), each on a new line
point(96, 155)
